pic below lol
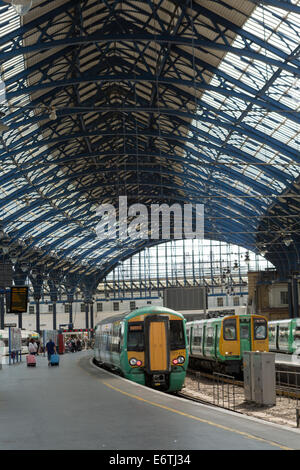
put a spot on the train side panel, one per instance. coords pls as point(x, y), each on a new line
point(284, 335)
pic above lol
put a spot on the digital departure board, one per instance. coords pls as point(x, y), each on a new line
point(18, 299)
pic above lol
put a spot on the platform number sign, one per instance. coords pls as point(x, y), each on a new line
point(18, 299)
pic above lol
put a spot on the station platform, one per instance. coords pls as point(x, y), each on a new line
point(79, 406)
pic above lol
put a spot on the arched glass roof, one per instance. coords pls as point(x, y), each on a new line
point(204, 261)
point(161, 101)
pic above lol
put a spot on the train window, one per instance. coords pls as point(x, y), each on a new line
point(188, 334)
point(283, 333)
point(197, 339)
point(244, 331)
point(177, 340)
point(229, 329)
point(260, 328)
point(135, 337)
point(272, 334)
point(121, 334)
point(209, 336)
point(297, 333)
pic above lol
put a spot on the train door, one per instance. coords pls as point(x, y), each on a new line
point(157, 356)
point(216, 336)
point(245, 335)
point(277, 337)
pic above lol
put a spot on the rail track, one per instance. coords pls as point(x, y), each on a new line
point(283, 389)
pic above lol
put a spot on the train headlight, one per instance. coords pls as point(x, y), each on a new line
point(132, 361)
point(180, 359)
point(135, 362)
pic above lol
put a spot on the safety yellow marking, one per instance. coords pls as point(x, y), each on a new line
point(211, 423)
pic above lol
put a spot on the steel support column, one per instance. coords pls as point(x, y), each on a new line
point(290, 299)
point(92, 315)
point(295, 297)
point(2, 312)
point(37, 315)
point(70, 301)
point(54, 316)
point(87, 315)
point(37, 284)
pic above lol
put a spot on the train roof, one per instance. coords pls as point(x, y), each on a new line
point(285, 320)
point(155, 310)
point(211, 320)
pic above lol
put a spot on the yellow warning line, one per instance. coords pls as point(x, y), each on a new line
point(211, 423)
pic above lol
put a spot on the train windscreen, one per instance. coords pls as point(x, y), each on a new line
point(135, 337)
point(260, 328)
point(229, 329)
point(177, 340)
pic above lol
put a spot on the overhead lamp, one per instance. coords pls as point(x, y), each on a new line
point(287, 241)
point(24, 267)
point(247, 259)
point(3, 128)
point(22, 7)
point(4, 247)
point(34, 273)
point(53, 115)
point(13, 256)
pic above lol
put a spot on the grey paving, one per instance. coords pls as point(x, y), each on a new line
point(77, 406)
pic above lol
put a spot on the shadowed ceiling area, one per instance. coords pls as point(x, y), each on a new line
point(161, 101)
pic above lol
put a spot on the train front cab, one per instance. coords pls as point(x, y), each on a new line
point(239, 334)
point(157, 353)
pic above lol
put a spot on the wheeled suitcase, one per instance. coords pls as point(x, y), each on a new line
point(31, 360)
point(54, 360)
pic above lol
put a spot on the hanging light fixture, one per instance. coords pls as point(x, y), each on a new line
point(287, 241)
point(53, 115)
point(3, 127)
point(13, 256)
point(22, 7)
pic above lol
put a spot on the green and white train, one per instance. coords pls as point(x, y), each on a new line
point(284, 336)
point(218, 344)
point(147, 346)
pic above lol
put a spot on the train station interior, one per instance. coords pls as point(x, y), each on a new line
point(149, 206)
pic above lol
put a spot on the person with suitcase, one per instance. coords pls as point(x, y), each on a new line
point(32, 347)
point(31, 360)
point(51, 349)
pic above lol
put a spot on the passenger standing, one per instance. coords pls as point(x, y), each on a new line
point(32, 347)
point(38, 346)
point(51, 349)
